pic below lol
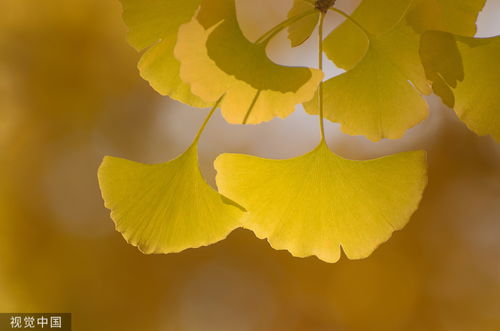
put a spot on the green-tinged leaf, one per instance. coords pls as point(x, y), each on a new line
point(347, 44)
point(301, 30)
point(380, 96)
point(455, 16)
point(218, 59)
point(442, 63)
point(154, 24)
point(316, 203)
point(168, 207)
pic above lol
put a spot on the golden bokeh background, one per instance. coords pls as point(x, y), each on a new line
point(70, 93)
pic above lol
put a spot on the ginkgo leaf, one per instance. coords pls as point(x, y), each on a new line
point(478, 97)
point(347, 44)
point(470, 67)
point(442, 63)
point(153, 24)
point(316, 203)
point(455, 16)
point(218, 59)
point(381, 96)
point(301, 30)
point(168, 207)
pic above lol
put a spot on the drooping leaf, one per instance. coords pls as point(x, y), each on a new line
point(217, 59)
point(315, 203)
point(168, 207)
point(454, 16)
point(380, 97)
point(469, 66)
point(153, 25)
point(301, 30)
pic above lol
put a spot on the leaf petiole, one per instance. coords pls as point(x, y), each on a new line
point(320, 65)
point(202, 128)
point(266, 37)
point(252, 105)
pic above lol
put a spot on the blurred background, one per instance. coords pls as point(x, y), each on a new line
point(70, 93)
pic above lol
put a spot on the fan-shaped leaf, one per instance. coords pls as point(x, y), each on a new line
point(154, 24)
point(168, 207)
point(313, 204)
point(221, 60)
point(379, 97)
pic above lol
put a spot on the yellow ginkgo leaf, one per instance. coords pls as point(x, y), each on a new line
point(455, 16)
point(301, 30)
point(218, 59)
point(316, 203)
point(168, 207)
point(470, 67)
point(154, 24)
point(381, 96)
point(347, 44)
point(478, 97)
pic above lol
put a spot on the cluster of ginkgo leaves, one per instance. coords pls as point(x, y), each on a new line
point(394, 52)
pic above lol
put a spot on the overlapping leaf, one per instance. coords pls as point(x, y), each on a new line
point(313, 204)
point(301, 30)
point(380, 97)
point(466, 75)
point(154, 24)
point(317, 203)
point(442, 63)
point(454, 16)
point(168, 207)
point(217, 59)
point(347, 44)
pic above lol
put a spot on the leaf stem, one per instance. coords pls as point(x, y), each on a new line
point(320, 65)
point(202, 128)
point(353, 21)
point(252, 105)
point(281, 26)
